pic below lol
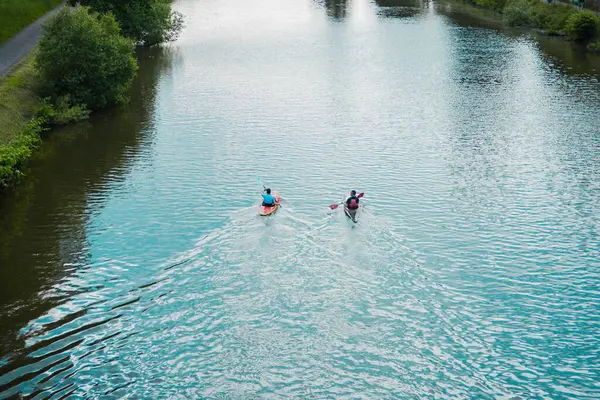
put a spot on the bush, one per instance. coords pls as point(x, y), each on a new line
point(516, 13)
point(83, 56)
point(62, 111)
point(555, 24)
point(14, 155)
point(496, 5)
point(582, 26)
point(540, 15)
point(551, 18)
point(147, 22)
point(594, 47)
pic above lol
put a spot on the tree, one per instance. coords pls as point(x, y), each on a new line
point(582, 26)
point(83, 57)
point(147, 22)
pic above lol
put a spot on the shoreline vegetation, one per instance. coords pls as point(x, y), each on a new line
point(84, 62)
point(553, 19)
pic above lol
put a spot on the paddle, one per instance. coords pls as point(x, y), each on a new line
point(336, 205)
point(261, 183)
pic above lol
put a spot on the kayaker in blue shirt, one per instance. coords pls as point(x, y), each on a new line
point(352, 201)
point(268, 199)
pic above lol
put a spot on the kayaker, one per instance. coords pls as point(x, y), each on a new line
point(268, 199)
point(352, 201)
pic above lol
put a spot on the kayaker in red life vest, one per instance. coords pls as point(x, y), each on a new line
point(268, 199)
point(352, 201)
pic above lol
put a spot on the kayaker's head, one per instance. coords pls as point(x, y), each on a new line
point(353, 193)
point(268, 191)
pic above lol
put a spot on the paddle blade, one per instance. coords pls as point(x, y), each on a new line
point(334, 206)
point(361, 195)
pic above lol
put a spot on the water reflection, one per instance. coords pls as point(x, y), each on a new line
point(566, 56)
point(336, 9)
point(456, 135)
point(401, 8)
point(506, 121)
point(43, 221)
point(569, 58)
point(485, 81)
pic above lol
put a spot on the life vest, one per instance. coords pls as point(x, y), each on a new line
point(353, 203)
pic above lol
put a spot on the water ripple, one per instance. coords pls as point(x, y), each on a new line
point(138, 266)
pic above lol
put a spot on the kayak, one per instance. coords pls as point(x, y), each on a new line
point(351, 213)
point(268, 210)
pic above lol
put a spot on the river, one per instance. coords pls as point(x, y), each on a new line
point(133, 262)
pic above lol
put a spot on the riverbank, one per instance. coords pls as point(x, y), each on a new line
point(51, 87)
point(20, 126)
point(20, 106)
point(581, 27)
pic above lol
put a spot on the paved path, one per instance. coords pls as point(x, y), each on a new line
point(22, 43)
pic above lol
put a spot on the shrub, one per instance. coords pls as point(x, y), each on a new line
point(496, 5)
point(62, 111)
point(147, 22)
point(14, 154)
point(540, 14)
point(83, 56)
point(551, 18)
point(516, 13)
point(555, 24)
point(582, 26)
point(594, 46)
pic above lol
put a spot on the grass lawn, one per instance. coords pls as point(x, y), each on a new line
point(17, 14)
point(18, 101)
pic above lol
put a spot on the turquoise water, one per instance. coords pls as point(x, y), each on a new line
point(134, 264)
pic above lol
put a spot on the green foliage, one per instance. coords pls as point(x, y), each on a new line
point(558, 18)
point(496, 5)
point(147, 22)
point(540, 14)
point(23, 116)
point(17, 14)
point(18, 100)
point(62, 112)
point(594, 47)
point(551, 18)
point(14, 154)
point(582, 26)
point(83, 56)
point(516, 13)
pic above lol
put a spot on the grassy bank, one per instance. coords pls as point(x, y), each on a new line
point(17, 14)
point(556, 19)
point(19, 125)
point(83, 63)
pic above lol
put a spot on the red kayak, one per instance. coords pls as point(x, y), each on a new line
point(268, 210)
